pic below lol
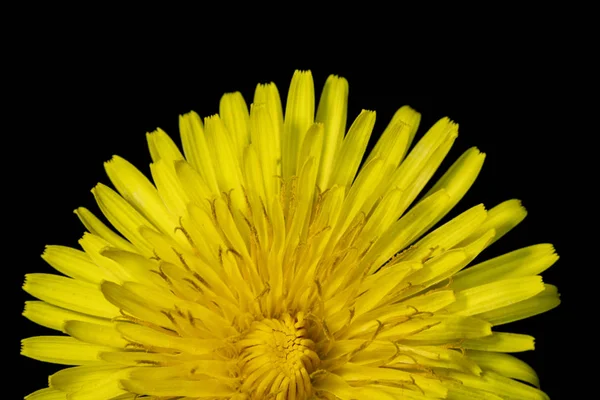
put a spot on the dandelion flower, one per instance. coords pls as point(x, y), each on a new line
point(266, 263)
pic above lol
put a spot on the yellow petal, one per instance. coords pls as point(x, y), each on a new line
point(544, 301)
point(268, 95)
point(448, 235)
point(397, 136)
point(382, 216)
point(400, 392)
point(440, 329)
point(422, 162)
point(332, 112)
point(143, 358)
point(434, 271)
point(196, 149)
point(265, 139)
point(111, 271)
point(134, 305)
point(74, 378)
point(458, 391)
point(356, 373)
point(502, 218)
point(55, 317)
point(311, 146)
point(397, 312)
point(90, 382)
point(123, 217)
point(299, 116)
point(495, 383)
point(47, 394)
point(203, 388)
point(459, 178)
point(297, 222)
point(155, 339)
point(527, 261)
point(381, 284)
point(171, 194)
point(74, 263)
point(501, 342)
point(96, 334)
point(97, 227)
point(444, 266)
point(70, 294)
point(226, 162)
point(62, 350)
point(201, 226)
point(139, 268)
point(365, 184)
point(506, 365)
point(255, 193)
point(337, 386)
point(352, 149)
point(162, 300)
point(234, 112)
point(495, 295)
point(139, 192)
point(228, 226)
point(192, 183)
point(406, 230)
point(162, 146)
point(214, 368)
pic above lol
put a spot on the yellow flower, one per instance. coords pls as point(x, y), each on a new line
point(265, 264)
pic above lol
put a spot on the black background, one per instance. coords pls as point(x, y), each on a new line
point(75, 108)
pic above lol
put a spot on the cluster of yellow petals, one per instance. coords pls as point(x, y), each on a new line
point(266, 263)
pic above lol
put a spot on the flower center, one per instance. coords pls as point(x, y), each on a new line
point(277, 358)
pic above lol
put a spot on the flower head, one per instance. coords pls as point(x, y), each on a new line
point(267, 263)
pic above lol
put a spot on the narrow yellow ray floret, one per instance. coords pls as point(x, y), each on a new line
point(264, 262)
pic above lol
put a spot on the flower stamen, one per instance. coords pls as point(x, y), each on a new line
point(276, 355)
